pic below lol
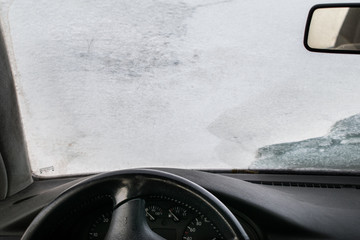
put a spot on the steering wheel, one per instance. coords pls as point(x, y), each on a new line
point(127, 189)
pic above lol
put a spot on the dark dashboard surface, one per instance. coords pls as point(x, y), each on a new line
point(269, 206)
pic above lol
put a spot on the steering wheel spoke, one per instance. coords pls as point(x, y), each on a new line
point(129, 222)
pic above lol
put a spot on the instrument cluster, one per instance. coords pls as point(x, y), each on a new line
point(168, 217)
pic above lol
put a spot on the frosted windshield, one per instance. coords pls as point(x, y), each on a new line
point(105, 85)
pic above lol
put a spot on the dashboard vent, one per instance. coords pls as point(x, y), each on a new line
point(306, 184)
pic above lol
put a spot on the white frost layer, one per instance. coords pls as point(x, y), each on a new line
point(112, 84)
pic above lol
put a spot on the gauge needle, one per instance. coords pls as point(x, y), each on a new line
point(148, 214)
point(172, 214)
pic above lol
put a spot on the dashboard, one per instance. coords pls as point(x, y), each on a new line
point(268, 206)
point(169, 217)
point(135, 204)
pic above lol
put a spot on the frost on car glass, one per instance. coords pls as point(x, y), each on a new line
point(105, 85)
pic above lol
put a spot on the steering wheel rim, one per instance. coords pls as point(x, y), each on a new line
point(127, 188)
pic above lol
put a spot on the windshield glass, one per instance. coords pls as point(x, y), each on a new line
point(105, 85)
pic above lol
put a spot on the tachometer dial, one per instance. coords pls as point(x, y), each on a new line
point(201, 228)
point(153, 212)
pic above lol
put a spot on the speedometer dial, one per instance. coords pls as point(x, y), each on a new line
point(100, 227)
point(201, 228)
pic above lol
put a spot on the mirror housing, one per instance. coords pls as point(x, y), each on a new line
point(333, 28)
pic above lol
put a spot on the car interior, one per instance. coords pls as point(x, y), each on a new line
point(165, 203)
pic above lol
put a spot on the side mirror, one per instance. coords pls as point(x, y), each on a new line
point(333, 28)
